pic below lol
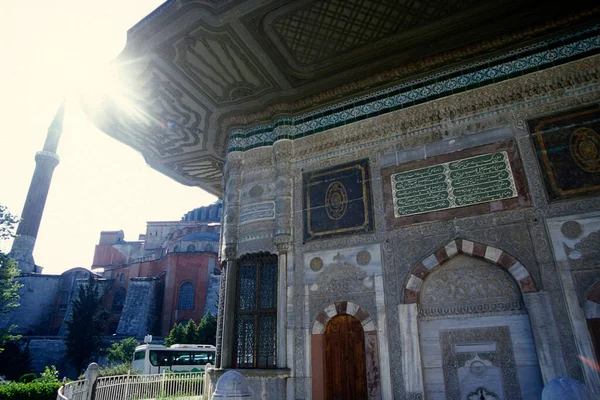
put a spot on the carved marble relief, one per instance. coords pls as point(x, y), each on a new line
point(568, 150)
point(342, 271)
point(467, 285)
point(576, 242)
point(337, 201)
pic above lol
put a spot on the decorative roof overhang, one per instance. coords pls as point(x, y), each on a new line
point(212, 76)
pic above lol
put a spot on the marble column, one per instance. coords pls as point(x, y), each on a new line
point(227, 332)
point(231, 210)
point(412, 366)
point(282, 150)
point(283, 249)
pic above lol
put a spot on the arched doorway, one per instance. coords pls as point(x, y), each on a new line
point(345, 363)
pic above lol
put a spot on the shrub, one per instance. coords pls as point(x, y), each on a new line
point(117, 369)
point(50, 374)
point(29, 391)
point(122, 352)
point(30, 377)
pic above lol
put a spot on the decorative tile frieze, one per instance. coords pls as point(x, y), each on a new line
point(542, 55)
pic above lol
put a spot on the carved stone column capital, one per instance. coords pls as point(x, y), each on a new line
point(230, 251)
point(283, 243)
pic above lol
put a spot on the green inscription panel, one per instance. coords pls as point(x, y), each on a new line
point(459, 183)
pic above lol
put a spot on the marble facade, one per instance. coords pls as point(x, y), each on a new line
point(526, 333)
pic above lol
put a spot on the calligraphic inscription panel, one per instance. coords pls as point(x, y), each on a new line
point(460, 183)
point(567, 146)
point(337, 201)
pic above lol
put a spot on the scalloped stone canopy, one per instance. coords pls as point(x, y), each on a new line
point(198, 69)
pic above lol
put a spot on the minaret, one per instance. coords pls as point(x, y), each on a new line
point(45, 162)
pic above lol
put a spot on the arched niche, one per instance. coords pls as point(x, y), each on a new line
point(474, 332)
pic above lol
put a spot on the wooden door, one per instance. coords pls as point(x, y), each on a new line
point(345, 366)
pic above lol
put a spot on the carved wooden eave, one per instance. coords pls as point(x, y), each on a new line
point(199, 69)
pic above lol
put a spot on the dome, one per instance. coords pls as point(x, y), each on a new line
point(211, 212)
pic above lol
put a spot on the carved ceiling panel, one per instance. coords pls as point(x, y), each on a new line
point(205, 168)
point(314, 32)
point(161, 120)
point(218, 64)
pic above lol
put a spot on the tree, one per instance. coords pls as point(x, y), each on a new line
point(175, 336)
point(190, 333)
point(86, 325)
point(203, 333)
point(9, 286)
point(122, 352)
point(206, 333)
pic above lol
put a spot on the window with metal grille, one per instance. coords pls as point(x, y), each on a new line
point(256, 312)
point(186, 296)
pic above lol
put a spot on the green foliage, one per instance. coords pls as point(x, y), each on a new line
point(203, 333)
point(50, 374)
point(175, 336)
point(14, 362)
point(8, 222)
point(206, 333)
point(9, 286)
point(35, 390)
point(190, 333)
point(122, 352)
point(86, 326)
point(118, 369)
point(30, 377)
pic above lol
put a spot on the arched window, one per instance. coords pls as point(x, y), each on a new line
point(122, 278)
point(175, 249)
point(191, 247)
point(118, 300)
point(186, 296)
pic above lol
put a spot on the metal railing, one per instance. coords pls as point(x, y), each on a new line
point(76, 390)
point(158, 386)
point(136, 387)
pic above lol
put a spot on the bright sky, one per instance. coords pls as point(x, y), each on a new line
point(100, 184)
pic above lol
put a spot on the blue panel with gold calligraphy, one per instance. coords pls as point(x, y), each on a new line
point(337, 201)
point(567, 146)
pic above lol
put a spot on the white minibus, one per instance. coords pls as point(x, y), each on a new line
point(156, 359)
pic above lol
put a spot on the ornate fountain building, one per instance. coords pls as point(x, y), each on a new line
point(410, 189)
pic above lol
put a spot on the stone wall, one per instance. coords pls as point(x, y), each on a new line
point(140, 312)
point(36, 305)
